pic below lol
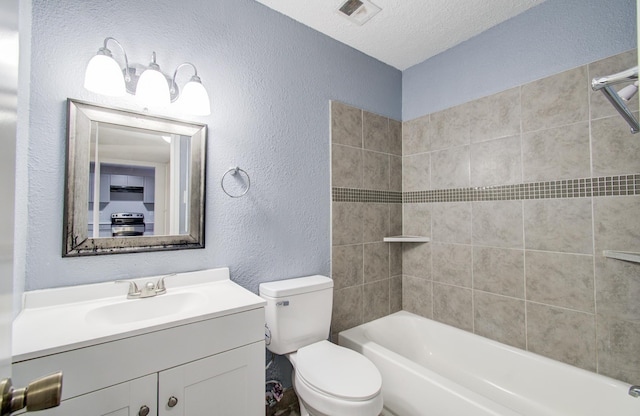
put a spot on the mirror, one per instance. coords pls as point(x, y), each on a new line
point(134, 182)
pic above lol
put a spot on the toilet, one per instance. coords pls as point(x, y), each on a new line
point(329, 380)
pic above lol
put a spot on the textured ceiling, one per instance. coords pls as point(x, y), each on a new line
point(405, 32)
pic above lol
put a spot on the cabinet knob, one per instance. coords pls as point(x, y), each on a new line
point(172, 401)
point(144, 411)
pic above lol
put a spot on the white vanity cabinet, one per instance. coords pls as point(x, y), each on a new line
point(197, 365)
point(125, 399)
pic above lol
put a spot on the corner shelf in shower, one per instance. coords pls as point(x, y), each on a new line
point(622, 255)
point(406, 239)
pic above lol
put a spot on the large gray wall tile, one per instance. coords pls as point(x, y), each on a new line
point(375, 132)
point(561, 334)
point(415, 136)
point(499, 270)
point(451, 222)
point(615, 150)
point(395, 219)
point(417, 219)
point(556, 100)
point(376, 222)
point(395, 137)
point(395, 259)
point(618, 346)
point(618, 289)
point(450, 168)
point(450, 127)
point(452, 305)
point(557, 153)
point(616, 223)
point(347, 266)
point(496, 162)
point(395, 294)
point(346, 223)
point(376, 300)
point(495, 116)
point(395, 173)
point(416, 260)
point(346, 124)
point(416, 172)
point(417, 296)
point(346, 166)
point(500, 318)
point(376, 170)
point(347, 308)
point(451, 264)
point(498, 223)
point(558, 225)
point(376, 261)
point(560, 279)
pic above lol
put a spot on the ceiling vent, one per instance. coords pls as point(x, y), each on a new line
point(358, 11)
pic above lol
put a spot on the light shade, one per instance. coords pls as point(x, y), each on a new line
point(153, 88)
point(194, 98)
point(104, 76)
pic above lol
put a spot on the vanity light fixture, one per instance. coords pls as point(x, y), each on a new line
point(152, 87)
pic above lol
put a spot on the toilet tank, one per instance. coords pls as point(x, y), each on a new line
point(298, 312)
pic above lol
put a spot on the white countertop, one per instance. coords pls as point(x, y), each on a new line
point(58, 320)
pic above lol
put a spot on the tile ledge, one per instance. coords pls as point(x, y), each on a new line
point(622, 255)
point(406, 239)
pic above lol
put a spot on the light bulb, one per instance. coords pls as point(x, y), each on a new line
point(153, 88)
point(194, 98)
point(104, 76)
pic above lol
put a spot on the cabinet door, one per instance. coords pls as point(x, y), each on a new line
point(105, 188)
point(149, 194)
point(126, 399)
point(135, 181)
point(119, 180)
point(226, 384)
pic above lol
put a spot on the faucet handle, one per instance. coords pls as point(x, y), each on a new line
point(160, 287)
point(134, 292)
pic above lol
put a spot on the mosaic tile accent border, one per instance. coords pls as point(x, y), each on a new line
point(620, 185)
point(365, 195)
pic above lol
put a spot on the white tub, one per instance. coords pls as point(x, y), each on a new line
point(433, 369)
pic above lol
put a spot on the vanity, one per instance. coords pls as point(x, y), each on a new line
point(196, 350)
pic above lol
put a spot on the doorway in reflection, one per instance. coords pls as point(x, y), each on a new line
point(138, 182)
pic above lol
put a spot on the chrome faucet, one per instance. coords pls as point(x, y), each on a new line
point(148, 290)
point(634, 391)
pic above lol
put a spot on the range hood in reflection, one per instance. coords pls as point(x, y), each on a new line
point(127, 189)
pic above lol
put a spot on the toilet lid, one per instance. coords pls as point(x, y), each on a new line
point(338, 371)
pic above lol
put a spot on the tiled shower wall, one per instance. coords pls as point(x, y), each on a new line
point(520, 193)
point(366, 176)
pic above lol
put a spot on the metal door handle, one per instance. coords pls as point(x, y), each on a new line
point(172, 401)
point(40, 394)
point(144, 411)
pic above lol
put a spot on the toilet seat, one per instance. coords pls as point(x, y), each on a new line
point(338, 372)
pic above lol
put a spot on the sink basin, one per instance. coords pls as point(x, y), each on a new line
point(135, 310)
point(57, 320)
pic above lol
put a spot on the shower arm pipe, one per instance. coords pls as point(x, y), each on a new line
point(629, 75)
point(604, 84)
point(622, 108)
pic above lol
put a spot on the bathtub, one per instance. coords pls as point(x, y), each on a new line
point(432, 369)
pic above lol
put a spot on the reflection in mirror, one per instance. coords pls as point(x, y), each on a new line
point(140, 179)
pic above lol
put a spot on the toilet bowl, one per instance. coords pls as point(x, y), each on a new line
point(334, 381)
point(329, 380)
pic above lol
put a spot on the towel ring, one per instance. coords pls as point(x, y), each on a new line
point(234, 172)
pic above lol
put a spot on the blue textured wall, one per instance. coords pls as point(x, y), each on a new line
point(550, 38)
point(270, 79)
